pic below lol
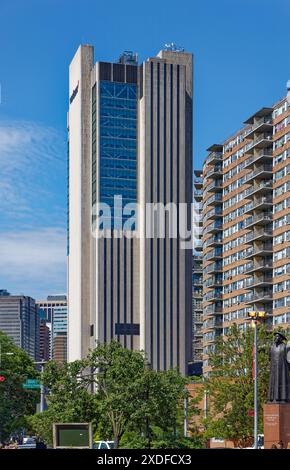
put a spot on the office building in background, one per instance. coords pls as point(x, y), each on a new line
point(20, 320)
point(130, 135)
point(47, 308)
point(59, 333)
point(246, 225)
point(44, 337)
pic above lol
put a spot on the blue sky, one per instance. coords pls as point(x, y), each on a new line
point(242, 62)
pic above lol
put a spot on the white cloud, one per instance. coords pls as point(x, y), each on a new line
point(32, 168)
point(33, 262)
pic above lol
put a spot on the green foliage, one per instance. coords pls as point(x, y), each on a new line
point(128, 397)
point(15, 402)
point(230, 386)
point(160, 439)
point(69, 399)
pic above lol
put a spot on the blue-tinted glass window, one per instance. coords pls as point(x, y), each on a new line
point(118, 146)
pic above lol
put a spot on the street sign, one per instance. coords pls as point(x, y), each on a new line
point(31, 384)
point(2, 378)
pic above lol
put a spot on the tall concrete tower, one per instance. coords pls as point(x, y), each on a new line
point(130, 137)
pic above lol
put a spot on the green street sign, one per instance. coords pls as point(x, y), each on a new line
point(31, 384)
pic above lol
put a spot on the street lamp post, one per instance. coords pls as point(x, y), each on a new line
point(256, 316)
point(42, 391)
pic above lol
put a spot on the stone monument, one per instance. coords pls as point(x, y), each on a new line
point(277, 410)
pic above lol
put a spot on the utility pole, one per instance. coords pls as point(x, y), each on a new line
point(255, 317)
point(185, 432)
point(42, 389)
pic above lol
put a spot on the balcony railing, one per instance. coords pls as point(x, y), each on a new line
point(212, 227)
point(215, 185)
point(215, 198)
point(260, 266)
point(258, 218)
point(262, 186)
point(258, 123)
point(214, 156)
point(258, 233)
point(261, 169)
point(263, 139)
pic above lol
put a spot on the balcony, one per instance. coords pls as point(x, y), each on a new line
point(264, 250)
point(214, 186)
point(260, 281)
point(214, 172)
point(197, 194)
point(214, 157)
point(213, 281)
point(197, 281)
point(264, 202)
point(215, 226)
point(213, 310)
point(263, 187)
point(262, 141)
point(197, 181)
point(263, 124)
point(213, 200)
point(263, 296)
point(260, 219)
point(261, 266)
point(263, 171)
point(197, 305)
point(212, 323)
point(264, 156)
point(213, 296)
point(213, 268)
point(260, 234)
point(213, 241)
point(213, 254)
point(213, 213)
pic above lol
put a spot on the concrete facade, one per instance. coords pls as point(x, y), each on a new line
point(137, 290)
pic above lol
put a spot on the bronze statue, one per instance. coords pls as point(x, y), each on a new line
point(279, 355)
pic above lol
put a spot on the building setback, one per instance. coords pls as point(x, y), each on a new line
point(19, 319)
point(246, 237)
point(130, 134)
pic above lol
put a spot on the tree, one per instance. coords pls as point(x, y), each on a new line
point(132, 396)
point(69, 399)
point(115, 390)
point(15, 402)
point(118, 380)
point(230, 385)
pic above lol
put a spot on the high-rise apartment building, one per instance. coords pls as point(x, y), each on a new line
point(197, 278)
point(130, 137)
point(246, 215)
point(20, 320)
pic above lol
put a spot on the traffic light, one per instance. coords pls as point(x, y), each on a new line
point(2, 378)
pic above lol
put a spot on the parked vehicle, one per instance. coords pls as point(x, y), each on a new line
point(103, 445)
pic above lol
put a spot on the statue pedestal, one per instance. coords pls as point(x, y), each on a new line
point(276, 424)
